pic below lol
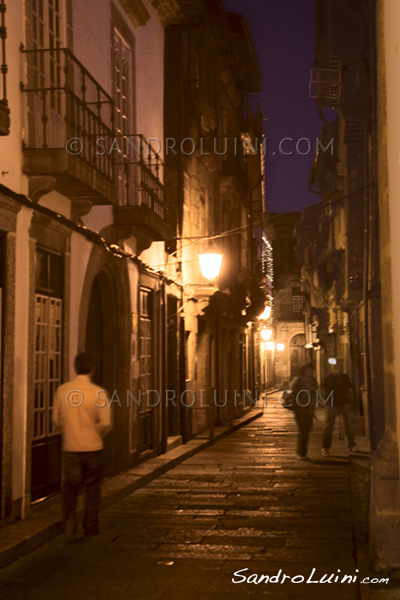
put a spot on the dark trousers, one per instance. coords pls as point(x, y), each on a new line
point(82, 470)
point(330, 416)
point(304, 422)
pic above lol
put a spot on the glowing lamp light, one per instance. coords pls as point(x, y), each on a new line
point(280, 347)
point(266, 314)
point(332, 361)
point(269, 346)
point(210, 264)
point(266, 334)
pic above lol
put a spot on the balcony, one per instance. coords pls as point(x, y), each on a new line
point(140, 176)
point(234, 170)
point(69, 124)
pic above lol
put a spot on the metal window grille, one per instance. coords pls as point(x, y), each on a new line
point(296, 303)
point(146, 371)
point(325, 83)
point(47, 367)
point(122, 98)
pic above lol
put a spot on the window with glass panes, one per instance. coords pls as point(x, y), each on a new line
point(145, 341)
point(297, 300)
point(48, 339)
point(122, 74)
point(46, 23)
point(146, 370)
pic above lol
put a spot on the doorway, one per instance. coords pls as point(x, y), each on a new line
point(101, 343)
point(297, 354)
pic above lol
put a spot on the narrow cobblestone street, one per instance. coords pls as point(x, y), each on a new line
point(246, 502)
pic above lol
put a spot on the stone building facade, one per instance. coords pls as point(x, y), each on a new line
point(92, 225)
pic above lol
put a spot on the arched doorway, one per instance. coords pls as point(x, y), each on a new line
point(297, 354)
point(101, 343)
point(105, 330)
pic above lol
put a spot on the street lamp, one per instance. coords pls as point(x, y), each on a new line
point(210, 263)
point(280, 347)
point(266, 334)
point(266, 314)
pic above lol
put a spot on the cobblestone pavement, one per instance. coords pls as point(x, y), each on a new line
point(245, 503)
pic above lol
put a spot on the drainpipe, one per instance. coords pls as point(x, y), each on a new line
point(182, 373)
point(367, 348)
point(164, 407)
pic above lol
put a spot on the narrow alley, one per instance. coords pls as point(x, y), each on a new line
point(244, 503)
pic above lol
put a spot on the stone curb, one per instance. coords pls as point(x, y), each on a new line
point(22, 537)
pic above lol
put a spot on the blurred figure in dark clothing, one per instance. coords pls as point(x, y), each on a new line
point(339, 386)
point(304, 390)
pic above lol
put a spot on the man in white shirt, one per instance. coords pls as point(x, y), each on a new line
point(82, 414)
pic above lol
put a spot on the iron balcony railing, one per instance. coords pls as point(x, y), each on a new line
point(141, 168)
point(234, 164)
point(67, 108)
point(4, 109)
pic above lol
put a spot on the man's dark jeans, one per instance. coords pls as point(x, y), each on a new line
point(331, 413)
point(304, 422)
point(82, 470)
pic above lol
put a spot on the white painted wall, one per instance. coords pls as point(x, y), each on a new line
point(21, 355)
point(98, 217)
point(57, 202)
point(155, 255)
point(150, 78)
point(92, 38)
point(10, 146)
point(80, 252)
point(92, 46)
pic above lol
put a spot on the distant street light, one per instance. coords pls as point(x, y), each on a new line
point(210, 263)
point(266, 334)
point(266, 314)
point(280, 347)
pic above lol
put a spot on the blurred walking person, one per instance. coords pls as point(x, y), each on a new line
point(303, 397)
point(338, 385)
point(82, 414)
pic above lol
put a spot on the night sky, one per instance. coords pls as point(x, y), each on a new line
point(283, 33)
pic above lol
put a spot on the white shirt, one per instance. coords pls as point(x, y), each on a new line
point(82, 414)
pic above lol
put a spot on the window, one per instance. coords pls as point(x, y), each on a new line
point(48, 334)
point(47, 35)
point(297, 300)
point(296, 303)
point(146, 367)
point(146, 371)
point(123, 116)
point(46, 69)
